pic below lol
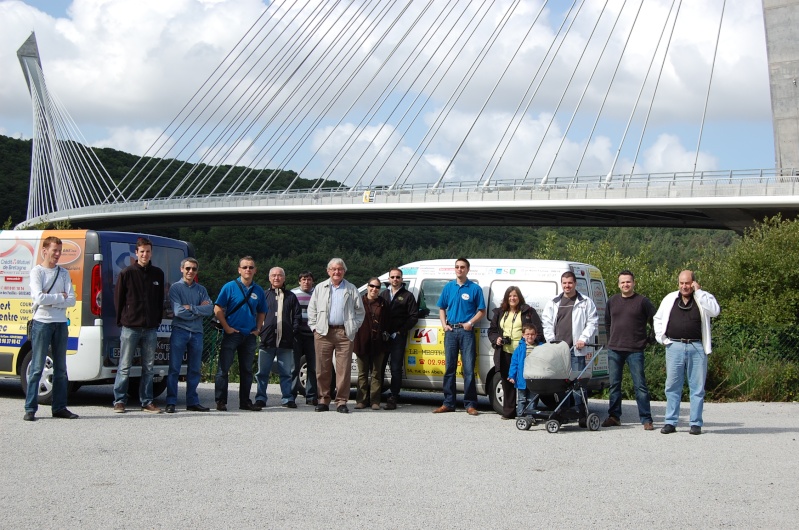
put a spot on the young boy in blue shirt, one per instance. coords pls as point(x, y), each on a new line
point(516, 371)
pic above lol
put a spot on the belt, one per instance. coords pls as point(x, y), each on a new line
point(335, 327)
point(455, 326)
point(685, 341)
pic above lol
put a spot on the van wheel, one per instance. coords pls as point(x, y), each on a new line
point(495, 393)
point(133, 387)
point(303, 374)
point(45, 383)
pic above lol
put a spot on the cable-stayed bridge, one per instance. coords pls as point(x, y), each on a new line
point(438, 112)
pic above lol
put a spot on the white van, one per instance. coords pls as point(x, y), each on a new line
point(539, 282)
point(94, 260)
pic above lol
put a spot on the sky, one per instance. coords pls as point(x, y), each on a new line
point(123, 69)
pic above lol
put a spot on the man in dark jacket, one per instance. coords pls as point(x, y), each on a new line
point(139, 303)
point(403, 314)
point(281, 324)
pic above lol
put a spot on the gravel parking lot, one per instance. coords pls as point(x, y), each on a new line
point(408, 468)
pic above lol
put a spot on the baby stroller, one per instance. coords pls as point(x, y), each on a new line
point(548, 375)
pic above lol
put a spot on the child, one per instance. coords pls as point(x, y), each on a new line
point(516, 372)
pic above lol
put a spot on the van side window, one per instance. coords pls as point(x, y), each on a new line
point(582, 287)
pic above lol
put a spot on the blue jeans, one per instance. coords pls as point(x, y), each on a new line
point(681, 360)
point(396, 357)
point(231, 344)
point(146, 340)
point(48, 336)
point(578, 364)
point(459, 340)
point(304, 345)
point(285, 365)
point(523, 396)
point(180, 341)
point(635, 360)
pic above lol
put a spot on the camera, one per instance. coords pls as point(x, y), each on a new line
point(506, 340)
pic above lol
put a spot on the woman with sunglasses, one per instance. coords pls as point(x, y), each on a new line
point(370, 347)
point(505, 332)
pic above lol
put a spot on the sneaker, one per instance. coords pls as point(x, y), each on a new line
point(29, 416)
point(695, 429)
point(65, 414)
point(152, 409)
point(668, 429)
point(119, 407)
point(611, 421)
point(391, 404)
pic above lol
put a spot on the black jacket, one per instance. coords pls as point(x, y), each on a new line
point(139, 296)
point(403, 311)
point(292, 318)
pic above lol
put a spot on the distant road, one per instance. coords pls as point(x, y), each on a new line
point(408, 468)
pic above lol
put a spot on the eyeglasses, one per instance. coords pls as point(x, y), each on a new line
point(247, 267)
point(395, 277)
point(189, 269)
point(460, 266)
point(373, 286)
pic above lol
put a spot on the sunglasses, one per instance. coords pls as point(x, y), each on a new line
point(247, 267)
point(395, 277)
point(374, 286)
point(189, 269)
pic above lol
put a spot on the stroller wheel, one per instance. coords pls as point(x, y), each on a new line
point(523, 424)
point(553, 426)
point(593, 422)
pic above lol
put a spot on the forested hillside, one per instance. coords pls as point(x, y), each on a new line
point(370, 250)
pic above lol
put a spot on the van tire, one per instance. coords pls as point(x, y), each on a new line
point(46, 382)
point(133, 387)
point(303, 374)
point(495, 393)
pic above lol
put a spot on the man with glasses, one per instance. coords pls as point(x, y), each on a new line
point(403, 313)
point(281, 324)
point(335, 313)
point(682, 324)
point(240, 309)
point(461, 305)
point(304, 343)
point(190, 304)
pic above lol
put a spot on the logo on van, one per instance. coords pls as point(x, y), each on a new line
point(70, 252)
point(425, 336)
point(505, 271)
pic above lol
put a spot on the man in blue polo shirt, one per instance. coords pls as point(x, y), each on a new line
point(240, 309)
point(460, 307)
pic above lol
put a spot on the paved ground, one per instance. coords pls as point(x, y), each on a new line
point(283, 468)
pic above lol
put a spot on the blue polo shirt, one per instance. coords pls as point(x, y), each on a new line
point(461, 302)
point(245, 318)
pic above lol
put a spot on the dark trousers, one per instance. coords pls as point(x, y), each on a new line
point(508, 388)
point(304, 345)
point(231, 344)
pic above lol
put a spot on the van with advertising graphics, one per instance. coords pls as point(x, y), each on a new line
point(94, 260)
point(539, 282)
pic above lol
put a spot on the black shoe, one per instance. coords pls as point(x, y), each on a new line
point(695, 429)
point(321, 407)
point(342, 409)
point(290, 405)
point(169, 409)
point(391, 404)
point(668, 429)
point(260, 403)
point(313, 402)
point(197, 408)
point(221, 406)
point(29, 416)
point(249, 405)
point(65, 414)
point(583, 422)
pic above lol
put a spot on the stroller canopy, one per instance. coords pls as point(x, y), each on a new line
point(548, 361)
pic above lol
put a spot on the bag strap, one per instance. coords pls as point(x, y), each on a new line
point(52, 284)
point(244, 300)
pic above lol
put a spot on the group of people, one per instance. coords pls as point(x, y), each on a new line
point(325, 323)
